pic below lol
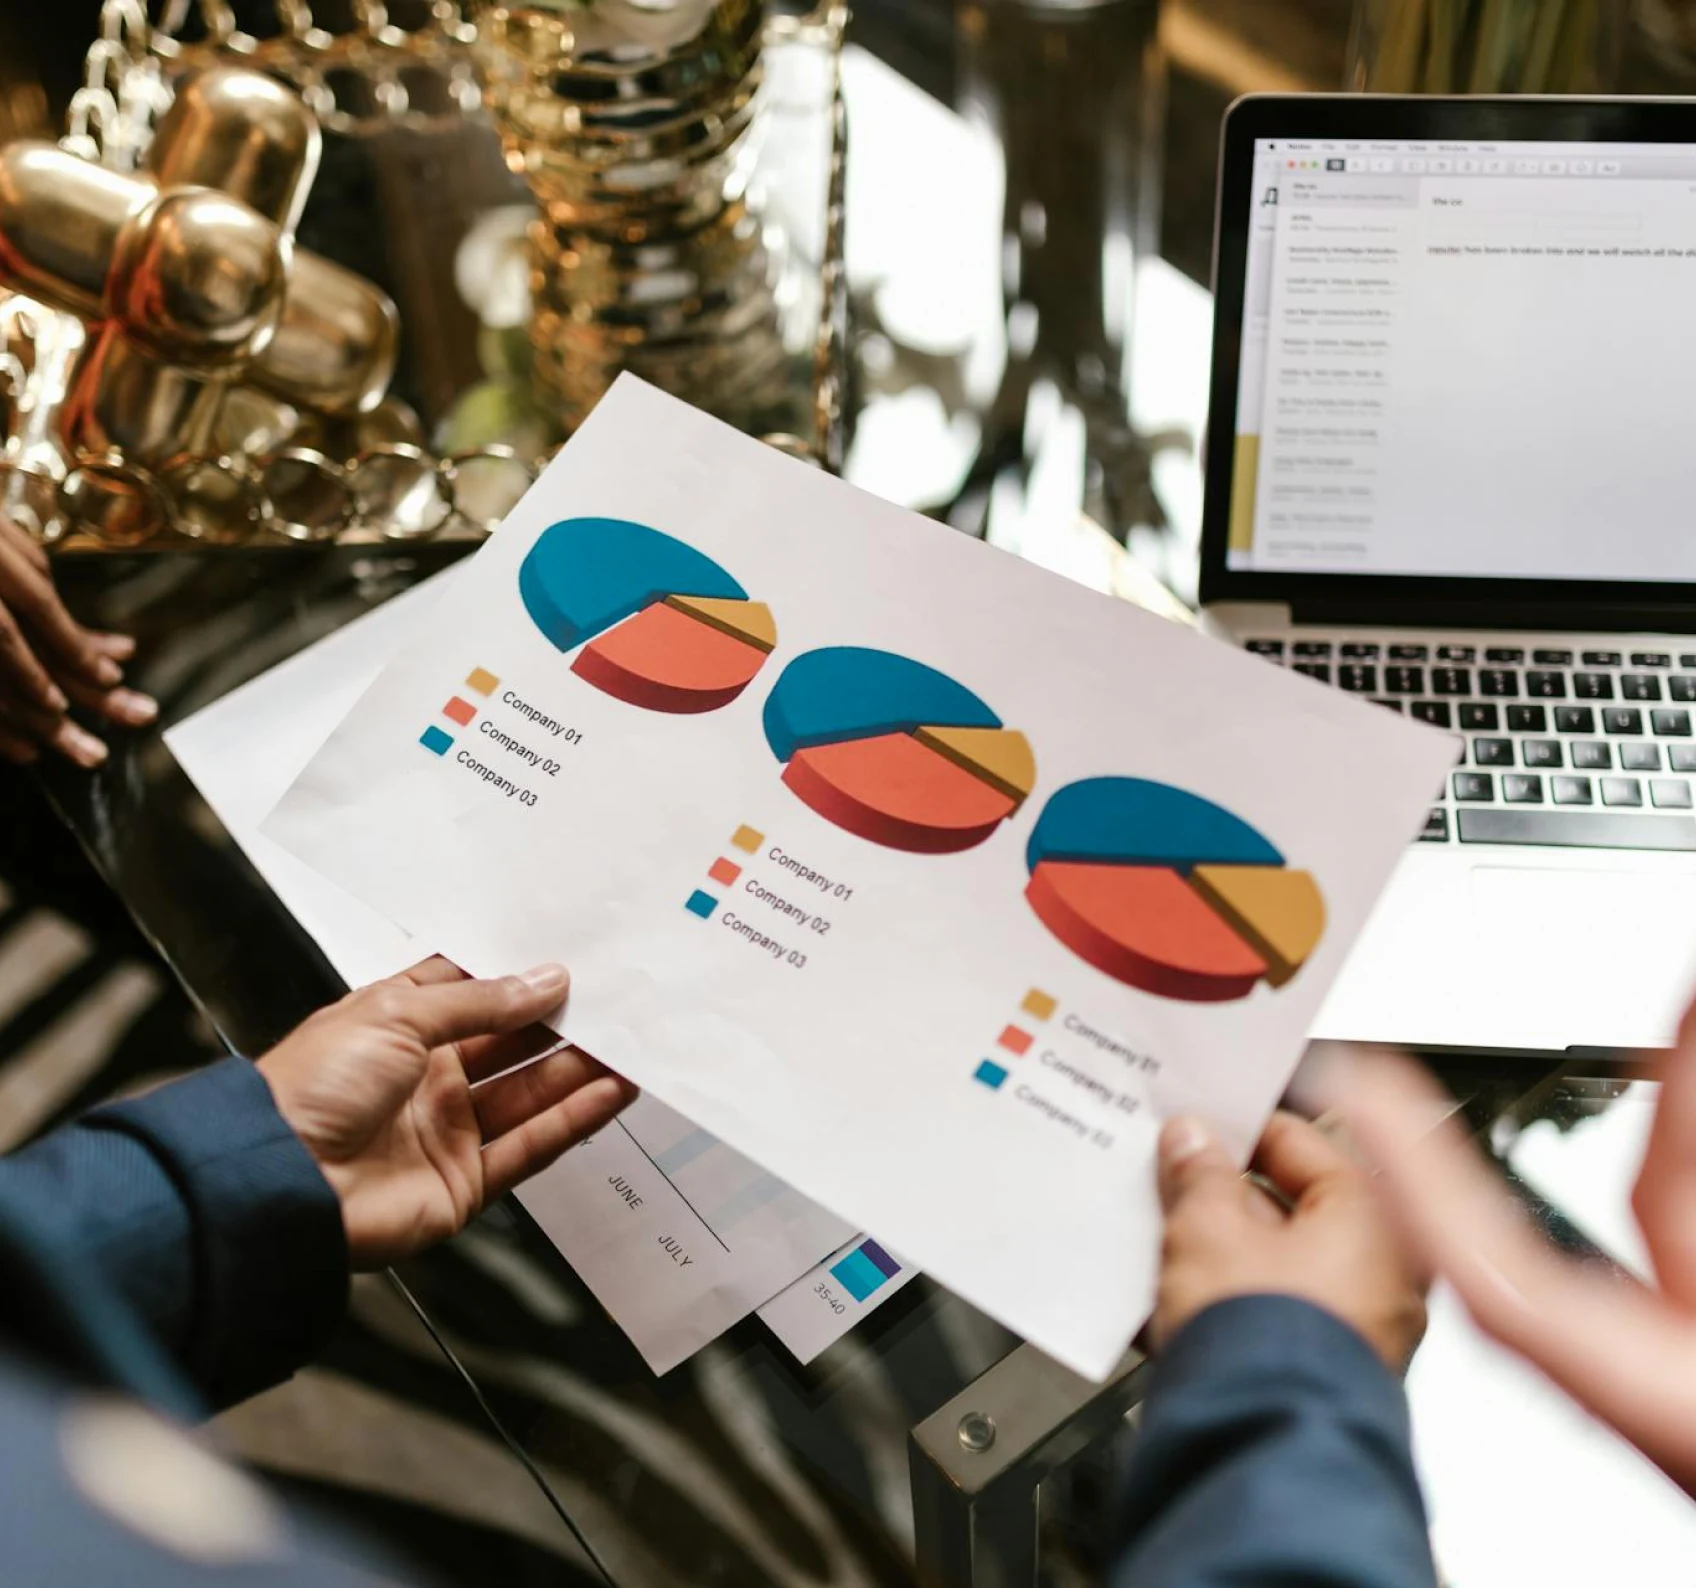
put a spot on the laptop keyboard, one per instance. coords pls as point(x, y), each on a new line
point(1576, 748)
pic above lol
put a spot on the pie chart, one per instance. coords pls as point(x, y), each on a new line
point(660, 625)
point(1168, 892)
point(894, 751)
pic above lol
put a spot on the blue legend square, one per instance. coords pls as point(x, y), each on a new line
point(701, 904)
point(992, 1075)
point(437, 742)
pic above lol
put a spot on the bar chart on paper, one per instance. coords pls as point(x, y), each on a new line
point(678, 1235)
point(655, 623)
point(827, 1302)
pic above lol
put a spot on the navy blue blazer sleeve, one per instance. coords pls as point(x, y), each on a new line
point(188, 1227)
point(1274, 1449)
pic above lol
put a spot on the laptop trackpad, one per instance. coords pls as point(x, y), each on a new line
point(1599, 958)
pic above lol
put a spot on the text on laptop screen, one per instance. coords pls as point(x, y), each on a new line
point(1472, 360)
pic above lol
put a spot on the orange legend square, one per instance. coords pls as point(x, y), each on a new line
point(1038, 1005)
point(482, 681)
point(460, 711)
point(725, 871)
point(747, 840)
point(1014, 1040)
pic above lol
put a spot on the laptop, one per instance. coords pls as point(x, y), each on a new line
point(1452, 471)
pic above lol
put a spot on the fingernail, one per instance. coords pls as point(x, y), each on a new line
point(56, 699)
point(136, 709)
point(120, 646)
point(83, 748)
point(1182, 1139)
point(550, 979)
point(107, 672)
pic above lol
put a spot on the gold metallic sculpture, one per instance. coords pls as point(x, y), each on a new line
point(633, 126)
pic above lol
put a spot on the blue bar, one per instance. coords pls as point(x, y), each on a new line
point(881, 1258)
point(701, 904)
point(683, 1152)
point(859, 1275)
point(992, 1075)
point(437, 742)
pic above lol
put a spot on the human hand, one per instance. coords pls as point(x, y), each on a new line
point(401, 1095)
point(1624, 1351)
point(50, 662)
point(1225, 1237)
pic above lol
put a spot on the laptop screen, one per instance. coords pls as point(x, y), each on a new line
point(1467, 360)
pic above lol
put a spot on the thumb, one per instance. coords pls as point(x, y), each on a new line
point(1192, 1159)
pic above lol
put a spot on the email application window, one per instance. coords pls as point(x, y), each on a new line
point(1469, 360)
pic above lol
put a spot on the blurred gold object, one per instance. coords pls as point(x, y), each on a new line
point(634, 127)
point(189, 274)
point(336, 346)
point(242, 133)
point(123, 401)
point(60, 217)
point(198, 278)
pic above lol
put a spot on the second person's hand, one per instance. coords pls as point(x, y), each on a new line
point(1334, 1248)
point(407, 1096)
point(50, 663)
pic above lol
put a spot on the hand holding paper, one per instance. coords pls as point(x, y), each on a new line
point(417, 1099)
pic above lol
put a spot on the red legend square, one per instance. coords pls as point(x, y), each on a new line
point(1014, 1040)
point(461, 711)
point(725, 871)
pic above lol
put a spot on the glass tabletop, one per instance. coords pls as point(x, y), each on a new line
point(1063, 431)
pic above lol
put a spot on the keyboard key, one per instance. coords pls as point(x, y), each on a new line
point(1546, 686)
point(1574, 719)
point(1359, 651)
point(1622, 791)
point(1518, 789)
point(1682, 687)
point(1265, 648)
point(1592, 686)
point(1670, 794)
point(1492, 752)
point(1622, 719)
point(1474, 787)
point(1313, 649)
point(1576, 829)
point(1682, 757)
point(1396, 706)
point(1650, 659)
point(1498, 682)
point(1451, 681)
point(1639, 686)
point(1435, 712)
point(1436, 827)
point(1528, 719)
point(1572, 790)
point(1552, 658)
point(1480, 719)
point(1457, 653)
point(1504, 657)
point(1419, 653)
point(1592, 757)
point(1671, 724)
point(1640, 757)
point(1404, 680)
point(1542, 753)
point(1358, 679)
point(1603, 659)
point(1317, 670)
